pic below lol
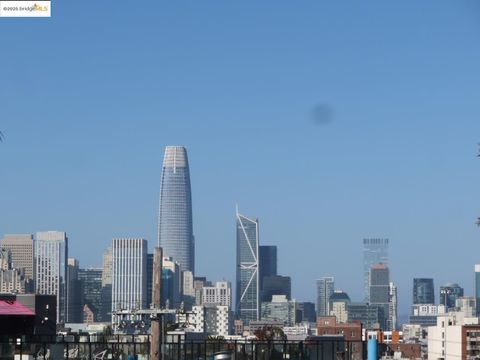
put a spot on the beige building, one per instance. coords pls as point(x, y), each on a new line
point(21, 250)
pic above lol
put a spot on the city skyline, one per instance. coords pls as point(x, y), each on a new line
point(395, 156)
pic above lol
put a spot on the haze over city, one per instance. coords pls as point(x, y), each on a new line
point(330, 122)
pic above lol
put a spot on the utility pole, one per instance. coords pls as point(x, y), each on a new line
point(156, 321)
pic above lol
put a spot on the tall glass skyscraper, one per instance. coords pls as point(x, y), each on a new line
point(325, 288)
point(51, 253)
point(175, 228)
point(247, 284)
point(477, 288)
point(423, 291)
point(375, 251)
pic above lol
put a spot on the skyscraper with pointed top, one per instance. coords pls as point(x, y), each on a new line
point(247, 284)
point(175, 226)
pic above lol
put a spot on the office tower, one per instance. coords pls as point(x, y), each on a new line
point(91, 285)
point(149, 279)
point(280, 309)
point(106, 310)
point(375, 251)
point(175, 229)
point(247, 284)
point(74, 293)
point(21, 251)
point(220, 294)
point(171, 284)
point(477, 288)
point(467, 306)
point(51, 253)
point(129, 278)
point(188, 289)
point(423, 291)
point(11, 280)
point(276, 285)
point(325, 287)
point(369, 315)
point(199, 282)
point(267, 265)
point(307, 312)
point(449, 293)
point(338, 306)
point(392, 320)
point(380, 291)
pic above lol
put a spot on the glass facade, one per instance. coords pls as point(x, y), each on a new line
point(423, 291)
point(175, 228)
point(51, 252)
point(91, 283)
point(129, 286)
point(477, 288)
point(268, 263)
point(449, 294)
point(375, 251)
point(380, 292)
point(247, 283)
point(325, 288)
point(276, 285)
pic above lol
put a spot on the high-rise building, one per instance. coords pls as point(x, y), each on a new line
point(12, 280)
point(467, 306)
point(149, 279)
point(380, 291)
point(247, 283)
point(393, 308)
point(423, 291)
point(51, 253)
point(280, 309)
point(306, 312)
point(91, 284)
point(338, 306)
point(106, 310)
point(21, 251)
point(267, 265)
point(325, 288)
point(369, 315)
point(220, 294)
point(276, 285)
point(188, 289)
point(375, 251)
point(477, 288)
point(129, 278)
point(175, 229)
point(199, 282)
point(449, 293)
point(171, 283)
point(74, 293)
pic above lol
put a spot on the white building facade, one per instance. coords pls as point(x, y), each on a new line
point(51, 253)
point(220, 294)
point(129, 274)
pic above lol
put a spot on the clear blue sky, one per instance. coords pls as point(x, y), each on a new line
point(90, 98)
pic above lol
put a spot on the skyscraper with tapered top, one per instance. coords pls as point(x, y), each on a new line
point(247, 284)
point(175, 226)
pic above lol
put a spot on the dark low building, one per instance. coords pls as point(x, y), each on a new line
point(15, 318)
point(44, 308)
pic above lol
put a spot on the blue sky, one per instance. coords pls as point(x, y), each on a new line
point(90, 98)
